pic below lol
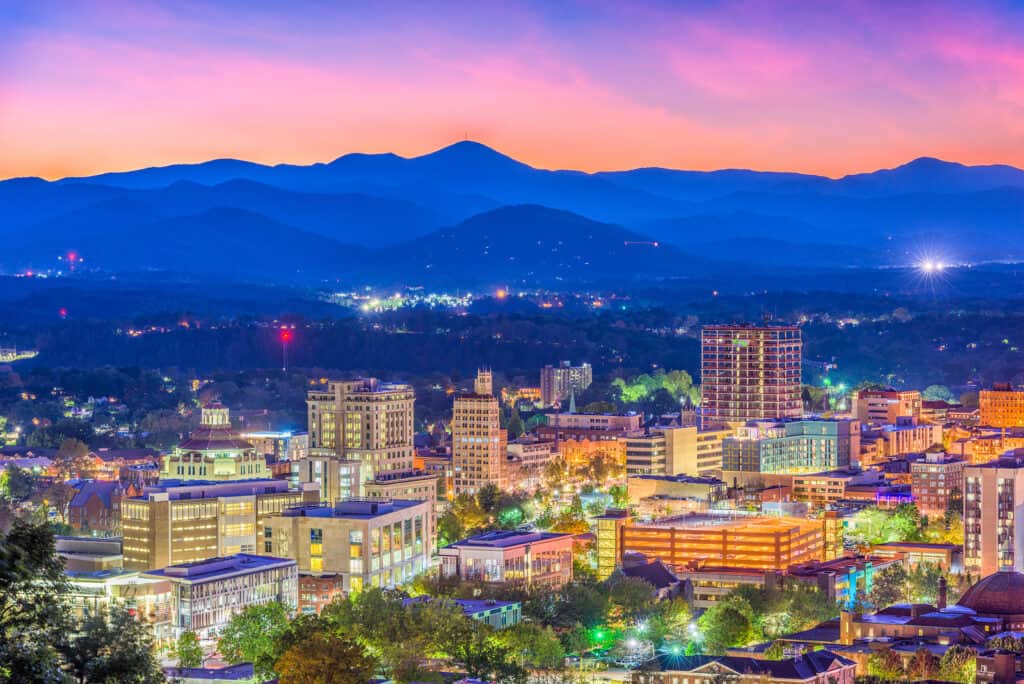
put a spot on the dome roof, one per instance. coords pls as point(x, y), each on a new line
point(998, 594)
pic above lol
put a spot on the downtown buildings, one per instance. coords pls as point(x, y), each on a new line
point(993, 503)
point(479, 442)
point(750, 373)
point(559, 383)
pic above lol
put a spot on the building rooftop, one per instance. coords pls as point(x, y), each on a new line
point(504, 539)
point(682, 479)
point(240, 672)
point(209, 489)
point(212, 568)
point(470, 607)
point(353, 508)
point(807, 666)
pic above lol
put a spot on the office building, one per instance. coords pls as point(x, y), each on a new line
point(363, 420)
point(790, 447)
point(479, 443)
point(885, 406)
point(214, 452)
point(335, 478)
point(149, 598)
point(937, 481)
point(529, 558)
point(1001, 407)
point(279, 445)
point(608, 529)
point(558, 383)
point(369, 542)
point(185, 522)
point(750, 373)
point(206, 594)
point(993, 505)
point(675, 451)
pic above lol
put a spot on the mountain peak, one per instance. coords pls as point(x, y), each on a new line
point(471, 154)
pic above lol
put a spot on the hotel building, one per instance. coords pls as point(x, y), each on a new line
point(368, 542)
point(185, 522)
point(790, 447)
point(750, 373)
point(206, 594)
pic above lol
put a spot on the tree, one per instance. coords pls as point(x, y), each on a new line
point(727, 623)
point(32, 613)
point(16, 484)
point(599, 407)
point(533, 645)
point(923, 665)
point(250, 637)
point(111, 646)
point(958, 664)
point(487, 497)
point(187, 651)
point(72, 460)
point(632, 596)
point(937, 393)
point(449, 529)
point(891, 585)
point(325, 658)
point(471, 646)
point(887, 665)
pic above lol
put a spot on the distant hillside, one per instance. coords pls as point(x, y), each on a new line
point(530, 243)
point(886, 217)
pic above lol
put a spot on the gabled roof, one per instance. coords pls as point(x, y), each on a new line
point(104, 489)
point(804, 667)
point(655, 573)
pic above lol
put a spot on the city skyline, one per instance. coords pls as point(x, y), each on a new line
point(840, 90)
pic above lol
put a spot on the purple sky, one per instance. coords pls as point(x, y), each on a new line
point(833, 88)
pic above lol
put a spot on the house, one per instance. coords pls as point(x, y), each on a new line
point(96, 507)
point(665, 582)
point(816, 667)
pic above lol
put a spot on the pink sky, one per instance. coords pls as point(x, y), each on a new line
point(828, 88)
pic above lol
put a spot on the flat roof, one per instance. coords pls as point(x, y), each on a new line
point(358, 508)
point(224, 566)
point(507, 538)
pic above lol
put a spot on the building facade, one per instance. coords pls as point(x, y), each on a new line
point(206, 594)
point(750, 373)
point(479, 443)
point(937, 481)
point(214, 452)
point(531, 558)
point(885, 406)
point(558, 383)
point(993, 506)
point(791, 447)
point(368, 542)
point(1001, 407)
point(187, 522)
point(363, 420)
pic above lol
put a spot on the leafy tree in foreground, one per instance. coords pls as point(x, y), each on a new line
point(958, 664)
point(886, 665)
point(188, 651)
point(111, 647)
point(32, 616)
point(325, 658)
point(250, 637)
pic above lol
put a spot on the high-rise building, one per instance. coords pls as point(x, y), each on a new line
point(558, 383)
point(1001, 407)
point(993, 505)
point(186, 522)
point(887, 405)
point(750, 373)
point(364, 420)
point(479, 443)
point(214, 451)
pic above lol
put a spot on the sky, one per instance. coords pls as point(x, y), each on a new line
point(832, 87)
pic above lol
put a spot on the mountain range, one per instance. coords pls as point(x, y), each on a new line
point(467, 214)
